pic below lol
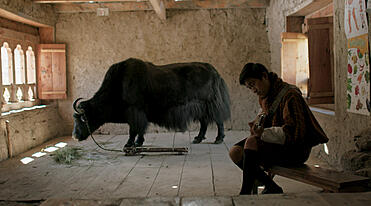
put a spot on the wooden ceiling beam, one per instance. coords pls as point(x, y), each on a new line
point(82, 1)
point(168, 4)
point(128, 6)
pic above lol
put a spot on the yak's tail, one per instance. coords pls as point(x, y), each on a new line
point(219, 108)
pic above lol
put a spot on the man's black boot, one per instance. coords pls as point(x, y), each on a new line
point(270, 186)
point(250, 165)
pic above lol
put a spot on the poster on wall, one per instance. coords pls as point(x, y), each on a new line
point(355, 18)
point(358, 74)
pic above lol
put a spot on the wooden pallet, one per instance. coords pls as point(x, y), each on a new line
point(329, 180)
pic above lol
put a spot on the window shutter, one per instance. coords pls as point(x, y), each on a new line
point(320, 32)
point(51, 71)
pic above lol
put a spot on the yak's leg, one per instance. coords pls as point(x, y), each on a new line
point(138, 124)
point(140, 139)
point(201, 134)
point(220, 137)
point(132, 134)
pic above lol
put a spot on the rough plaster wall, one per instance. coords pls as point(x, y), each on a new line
point(225, 38)
point(342, 127)
point(3, 142)
point(30, 128)
point(41, 13)
point(276, 23)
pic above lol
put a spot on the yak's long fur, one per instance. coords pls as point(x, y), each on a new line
point(172, 96)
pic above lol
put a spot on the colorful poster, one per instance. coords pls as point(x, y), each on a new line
point(355, 18)
point(358, 78)
point(358, 81)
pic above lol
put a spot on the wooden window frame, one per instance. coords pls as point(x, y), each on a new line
point(318, 96)
point(25, 40)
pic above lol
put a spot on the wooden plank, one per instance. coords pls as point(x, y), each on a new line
point(60, 202)
point(51, 75)
point(215, 201)
point(305, 199)
point(326, 11)
point(130, 187)
point(105, 181)
point(18, 36)
point(78, 1)
point(168, 4)
point(20, 27)
point(328, 179)
point(167, 182)
point(152, 201)
point(313, 6)
point(14, 17)
point(197, 173)
point(345, 199)
point(47, 35)
point(320, 41)
point(225, 185)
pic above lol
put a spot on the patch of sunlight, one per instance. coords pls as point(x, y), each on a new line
point(51, 149)
point(61, 144)
point(27, 160)
point(23, 109)
point(325, 148)
point(39, 154)
point(174, 186)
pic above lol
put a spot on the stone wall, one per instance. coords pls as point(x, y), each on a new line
point(27, 129)
point(227, 39)
point(343, 126)
point(41, 13)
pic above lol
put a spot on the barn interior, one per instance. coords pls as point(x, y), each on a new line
point(55, 51)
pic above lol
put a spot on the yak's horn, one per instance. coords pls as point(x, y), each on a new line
point(78, 111)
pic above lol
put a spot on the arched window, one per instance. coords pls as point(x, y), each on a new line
point(31, 71)
point(6, 64)
point(19, 65)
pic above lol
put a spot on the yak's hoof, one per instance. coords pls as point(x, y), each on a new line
point(129, 144)
point(198, 139)
point(139, 142)
point(218, 140)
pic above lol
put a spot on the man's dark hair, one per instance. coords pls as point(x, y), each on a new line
point(252, 70)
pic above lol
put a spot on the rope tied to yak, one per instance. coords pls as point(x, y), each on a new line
point(136, 150)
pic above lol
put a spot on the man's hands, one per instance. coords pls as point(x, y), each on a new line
point(256, 130)
point(256, 126)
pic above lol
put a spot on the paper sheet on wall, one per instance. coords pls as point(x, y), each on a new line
point(358, 81)
point(355, 18)
point(358, 74)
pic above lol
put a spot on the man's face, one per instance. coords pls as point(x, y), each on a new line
point(259, 86)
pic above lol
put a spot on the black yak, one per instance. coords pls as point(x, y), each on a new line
point(171, 96)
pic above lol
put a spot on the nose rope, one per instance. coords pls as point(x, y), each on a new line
point(91, 135)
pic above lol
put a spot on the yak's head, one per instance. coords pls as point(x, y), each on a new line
point(83, 120)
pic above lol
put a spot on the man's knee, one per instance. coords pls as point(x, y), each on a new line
point(236, 153)
point(251, 143)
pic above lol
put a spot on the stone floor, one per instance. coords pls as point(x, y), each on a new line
point(203, 176)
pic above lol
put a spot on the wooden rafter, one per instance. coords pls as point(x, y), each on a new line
point(81, 1)
point(159, 6)
point(172, 4)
